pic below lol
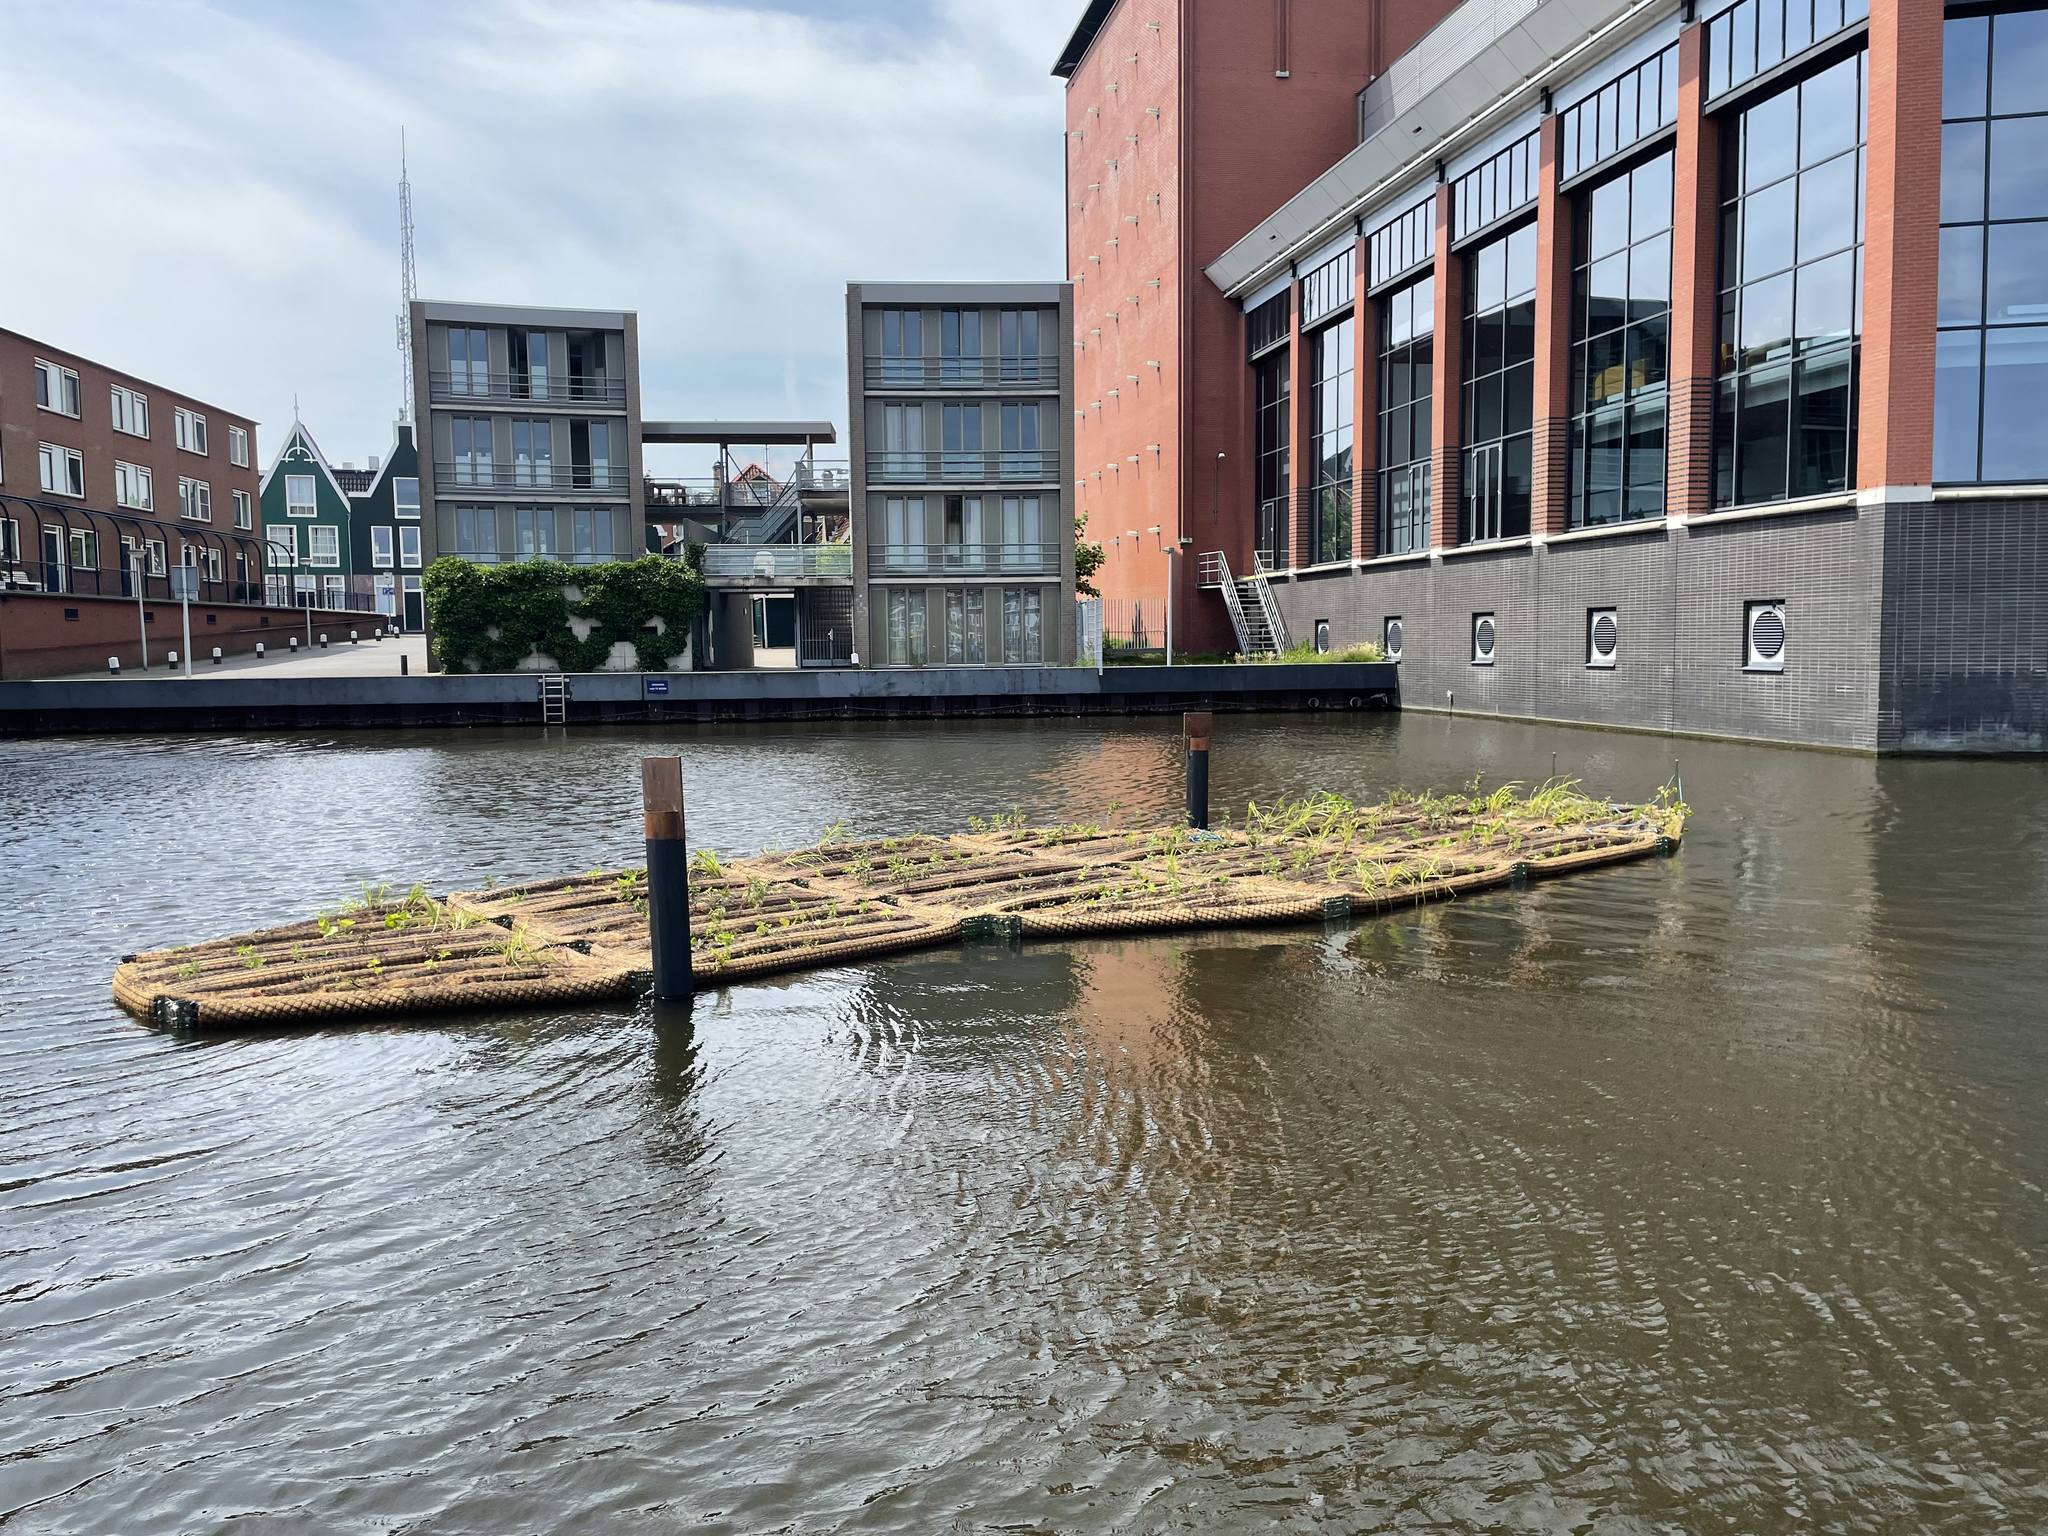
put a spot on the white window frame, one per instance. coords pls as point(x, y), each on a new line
point(245, 511)
point(316, 557)
point(383, 548)
point(195, 500)
point(84, 549)
point(400, 508)
point(335, 592)
point(128, 478)
point(191, 431)
point(238, 447)
point(59, 383)
point(216, 568)
point(154, 550)
point(129, 410)
point(10, 543)
point(409, 548)
point(293, 507)
point(73, 462)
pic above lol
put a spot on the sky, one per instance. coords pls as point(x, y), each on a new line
point(206, 193)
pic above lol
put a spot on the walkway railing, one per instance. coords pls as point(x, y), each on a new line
point(745, 564)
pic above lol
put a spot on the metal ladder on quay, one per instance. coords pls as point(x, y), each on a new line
point(554, 699)
point(1254, 612)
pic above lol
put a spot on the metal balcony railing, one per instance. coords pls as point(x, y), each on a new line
point(741, 564)
point(487, 475)
point(560, 557)
point(551, 388)
point(963, 559)
point(965, 372)
point(901, 466)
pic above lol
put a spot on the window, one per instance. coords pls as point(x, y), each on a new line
point(1025, 545)
point(10, 544)
point(85, 550)
point(1500, 377)
point(1407, 319)
point(238, 447)
point(405, 496)
point(63, 469)
point(594, 532)
point(1328, 288)
point(590, 453)
point(903, 441)
point(56, 388)
point(902, 346)
point(1403, 243)
point(1023, 629)
point(533, 453)
point(153, 549)
point(903, 531)
point(1268, 325)
point(471, 439)
point(966, 634)
point(298, 497)
point(1791, 301)
point(245, 511)
point(1621, 113)
point(1991, 353)
point(1021, 458)
point(132, 487)
point(216, 568)
point(1330, 423)
point(476, 531)
point(960, 440)
point(337, 591)
point(1754, 36)
point(960, 346)
point(469, 361)
point(191, 429)
point(906, 629)
point(323, 544)
point(409, 548)
point(534, 530)
point(130, 411)
point(1621, 332)
point(195, 500)
point(1019, 343)
point(1495, 188)
point(1272, 403)
point(381, 553)
point(529, 356)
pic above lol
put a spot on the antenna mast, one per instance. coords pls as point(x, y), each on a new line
point(408, 280)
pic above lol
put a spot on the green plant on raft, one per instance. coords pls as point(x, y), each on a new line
point(704, 862)
point(1305, 652)
point(188, 970)
point(251, 961)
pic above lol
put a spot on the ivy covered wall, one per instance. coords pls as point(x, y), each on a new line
point(489, 618)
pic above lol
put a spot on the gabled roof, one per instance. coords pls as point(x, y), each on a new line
point(300, 435)
point(356, 482)
point(401, 437)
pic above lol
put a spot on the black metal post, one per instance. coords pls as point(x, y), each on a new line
point(668, 894)
point(1195, 727)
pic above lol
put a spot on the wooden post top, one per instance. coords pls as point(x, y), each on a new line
point(1196, 726)
point(661, 793)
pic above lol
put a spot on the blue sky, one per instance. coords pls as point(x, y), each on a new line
point(212, 187)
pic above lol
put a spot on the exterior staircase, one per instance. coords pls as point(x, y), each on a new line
point(1254, 612)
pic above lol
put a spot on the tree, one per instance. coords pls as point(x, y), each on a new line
point(1088, 559)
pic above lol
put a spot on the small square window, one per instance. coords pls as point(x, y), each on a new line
point(1484, 638)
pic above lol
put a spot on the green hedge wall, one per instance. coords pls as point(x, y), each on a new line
point(525, 606)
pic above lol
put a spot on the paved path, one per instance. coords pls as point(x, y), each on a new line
point(369, 658)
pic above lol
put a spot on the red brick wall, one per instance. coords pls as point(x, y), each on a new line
point(1446, 406)
point(1551, 444)
point(23, 425)
point(38, 638)
point(1695, 229)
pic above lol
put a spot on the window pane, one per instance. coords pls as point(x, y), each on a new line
point(1766, 319)
point(1962, 171)
point(1828, 119)
point(1646, 461)
point(1826, 300)
point(1762, 430)
point(1767, 231)
point(2019, 64)
point(1605, 372)
point(1606, 435)
point(1964, 58)
point(2015, 384)
point(1650, 198)
point(1607, 296)
point(2016, 279)
point(1962, 275)
point(1770, 135)
point(1516, 398)
point(1956, 356)
point(1648, 346)
point(1827, 208)
point(2019, 168)
point(1822, 464)
point(1607, 217)
point(1649, 278)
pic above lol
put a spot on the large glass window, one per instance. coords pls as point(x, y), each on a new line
point(1330, 408)
point(960, 346)
point(1791, 291)
point(1023, 626)
point(966, 631)
point(906, 629)
point(1500, 379)
point(469, 361)
point(1991, 354)
point(470, 437)
point(1407, 364)
point(1621, 332)
point(902, 346)
point(1272, 403)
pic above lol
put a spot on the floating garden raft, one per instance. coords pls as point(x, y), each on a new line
point(583, 939)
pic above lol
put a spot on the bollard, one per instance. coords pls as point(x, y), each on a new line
point(404, 665)
point(259, 650)
point(323, 642)
point(353, 638)
point(216, 655)
point(295, 642)
point(114, 665)
point(1196, 726)
point(173, 662)
point(668, 894)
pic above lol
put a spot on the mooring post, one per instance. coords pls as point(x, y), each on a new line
point(1196, 726)
point(668, 894)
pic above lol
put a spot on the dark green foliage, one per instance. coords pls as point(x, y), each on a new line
point(524, 604)
point(1088, 559)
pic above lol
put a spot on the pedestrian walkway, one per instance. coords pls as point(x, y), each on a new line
point(366, 658)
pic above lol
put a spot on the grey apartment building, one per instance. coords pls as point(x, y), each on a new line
point(962, 448)
point(529, 432)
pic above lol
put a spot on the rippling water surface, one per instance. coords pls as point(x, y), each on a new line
point(1700, 1195)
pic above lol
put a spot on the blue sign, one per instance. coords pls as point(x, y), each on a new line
point(657, 685)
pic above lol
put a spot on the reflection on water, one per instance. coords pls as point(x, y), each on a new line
point(1698, 1195)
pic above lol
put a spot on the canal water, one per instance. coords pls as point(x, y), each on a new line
point(1702, 1195)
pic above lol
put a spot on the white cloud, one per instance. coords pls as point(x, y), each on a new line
point(213, 203)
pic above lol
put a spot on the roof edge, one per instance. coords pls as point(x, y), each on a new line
point(1083, 37)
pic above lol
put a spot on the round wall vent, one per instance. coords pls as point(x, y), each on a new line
point(1766, 633)
point(1482, 637)
point(1603, 637)
point(1393, 646)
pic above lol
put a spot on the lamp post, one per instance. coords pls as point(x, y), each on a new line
point(1158, 534)
point(136, 566)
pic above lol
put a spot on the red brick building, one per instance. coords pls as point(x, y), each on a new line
point(1661, 363)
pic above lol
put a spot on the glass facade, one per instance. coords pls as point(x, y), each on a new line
point(1791, 290)
point(1991, 353)
point(1331, 421)
point(1272, 403)
point(1499, 385)
point(1621, 332)
point(1407, 354)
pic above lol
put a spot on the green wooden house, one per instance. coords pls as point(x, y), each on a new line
point(308, 547)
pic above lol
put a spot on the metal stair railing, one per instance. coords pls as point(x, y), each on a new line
point(1276, 626)
point(1213, 569)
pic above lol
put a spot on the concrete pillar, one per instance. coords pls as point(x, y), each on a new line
point(1550, 449)
point(1901, 246)
point(1446, 410)
point(1695, 303)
